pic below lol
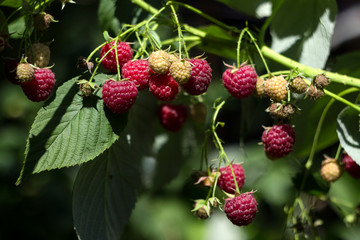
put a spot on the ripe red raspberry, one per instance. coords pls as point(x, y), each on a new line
point(119, 96)
point(41, 53)
point(297, 85)
point(25, 72)
point(330, 169)
point(226, 179)
point(159, 61)
point(10, 70)
point(351, 166)
point(241, 210)
point(124, 53)
point(180, 70)
point(278, 141)
point(172, 117)
point(137, 71)
point(40, 87)
point(163, 87)
point(276, 88)
point(241, 82)
point(200, 78)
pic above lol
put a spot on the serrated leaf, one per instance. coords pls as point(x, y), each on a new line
point(70, 130)
point(303, 29)
point(348, 131)
point(106, 15)
point(254, 8)
point(105, 192)
point(11, 3)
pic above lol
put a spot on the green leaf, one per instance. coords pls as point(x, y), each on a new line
point(11, 3)
point(254, 8)
point(105, 192)
point(218, 42)
point(348, 131)
point(302, 30)
point(106, 15)
point(17, 27)
point(3, 23)
point(155, 38)
point(348, 64)
point(70, 130)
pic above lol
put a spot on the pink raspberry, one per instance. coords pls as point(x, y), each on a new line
point(40, 87)
point(119, 96)
point(351, 166)
point(226, 179)
point(278, 141)
point(124, 52)
point(163, 87)
point(241, 210)
point(172, 117)
point(200, 77)
point(137, 71)
point(240, 83)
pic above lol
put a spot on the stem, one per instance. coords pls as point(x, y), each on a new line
point(238, 47)
point(180, 35)
point(259, 51)
point(338, 153)
point(284, 72)
point(309, 71)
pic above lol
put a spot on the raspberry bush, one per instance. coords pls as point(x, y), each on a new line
point(156, 122)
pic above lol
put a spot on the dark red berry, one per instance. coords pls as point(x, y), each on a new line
point(137, 71)
point(163, 87)
point(40, 87)
point(124, 53)
point(226, 179)
point(241, 82)
point(241, 210)
point(10, 70)
point(172, 117)
point(119, 96)
point(200, 78)
point(351, 166)
point(278, 141)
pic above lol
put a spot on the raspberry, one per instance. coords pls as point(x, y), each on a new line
point(42, 21)
point(172, 117)
point(314, 93)
point(41, 53)
point(226, 179)
point(298, 85)
point(40, 87)
point(159, 61)
point(119, 96)
point(137, 71)
point(124, 54)
point(330, 169)
point(200, 78)
point(87, 88)
point(25, 72)
point(240, 83)
point(10, 70)
point(321, 81)
point(282, 111)
point(241, 210)
point(351, 166)
point(276, 88)
point(163, 87)
point(180, 70)
point(260, 88)
point(278, 141)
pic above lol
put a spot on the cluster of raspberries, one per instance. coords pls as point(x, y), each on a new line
point(31, 73)
point(163, 74)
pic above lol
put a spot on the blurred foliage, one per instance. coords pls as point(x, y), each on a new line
point(40, 208)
